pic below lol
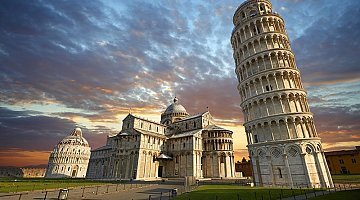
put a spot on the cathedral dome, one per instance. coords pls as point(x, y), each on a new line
point(175, 108)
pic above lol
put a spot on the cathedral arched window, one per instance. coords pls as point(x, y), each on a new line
point(186, 126)
point(194, 124)
point(255, 139)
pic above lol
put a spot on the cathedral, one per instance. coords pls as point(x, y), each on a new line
point(180, 145)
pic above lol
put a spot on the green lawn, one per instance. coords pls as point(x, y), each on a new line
point(352, 194)
point(30, 184)
point(231, 192)
point(346, 178)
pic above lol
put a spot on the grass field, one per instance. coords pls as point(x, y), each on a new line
point(352, 194)
point(30, 184)
point(346, 178)
point(231, 192)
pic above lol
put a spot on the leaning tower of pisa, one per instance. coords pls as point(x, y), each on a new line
point(283, 144)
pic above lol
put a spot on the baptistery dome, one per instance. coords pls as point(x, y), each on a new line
point(174, 112)
point(70, 157)
point(75, 138)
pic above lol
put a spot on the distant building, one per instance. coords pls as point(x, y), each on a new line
point(22, 172)
point(180, 145)
point(70, 157)
point(344, 162)
point(244, 167)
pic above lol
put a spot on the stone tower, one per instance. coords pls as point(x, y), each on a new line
point(283, 144)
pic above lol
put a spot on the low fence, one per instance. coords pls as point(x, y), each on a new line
point(286, 193)
point(83, 192)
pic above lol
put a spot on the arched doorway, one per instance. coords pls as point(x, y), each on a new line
point(74, 171)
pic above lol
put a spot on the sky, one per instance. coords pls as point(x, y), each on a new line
point(67, 64)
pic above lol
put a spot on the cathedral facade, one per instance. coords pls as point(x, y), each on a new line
point(283, 144)
point(180, 145)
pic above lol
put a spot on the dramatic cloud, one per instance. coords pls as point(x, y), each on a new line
point(69, 63)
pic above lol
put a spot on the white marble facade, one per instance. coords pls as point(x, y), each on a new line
point(283, 144)
point(70, 157)
point(180, 145)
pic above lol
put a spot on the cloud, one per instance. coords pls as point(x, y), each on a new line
point(327, 52)
point(20, 129)
point(70, 64)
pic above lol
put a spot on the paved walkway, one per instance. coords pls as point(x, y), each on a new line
point(106, 192)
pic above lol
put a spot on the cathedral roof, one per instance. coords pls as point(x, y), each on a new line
point(186, 134)
point(193, 116)
point(175, 107)
point(215, 128)
point(75, 138)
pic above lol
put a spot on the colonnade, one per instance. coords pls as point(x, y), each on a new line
point(283, 129)
point(270, 82)
point(284, 103)
point(260, 44)
point(265, 24)
point(218, 144)
point(278, 59)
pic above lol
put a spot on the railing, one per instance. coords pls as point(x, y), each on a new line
point(83, 192)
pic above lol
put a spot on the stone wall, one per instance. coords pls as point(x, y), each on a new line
point(22, 172)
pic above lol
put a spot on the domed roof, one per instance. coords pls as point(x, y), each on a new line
point(175, 107)
point(75, 138)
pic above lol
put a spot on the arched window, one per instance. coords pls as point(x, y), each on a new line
point(141, 125)
point(194, 124)
point(262, 7)
point(186, 126)
point(255, 139)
